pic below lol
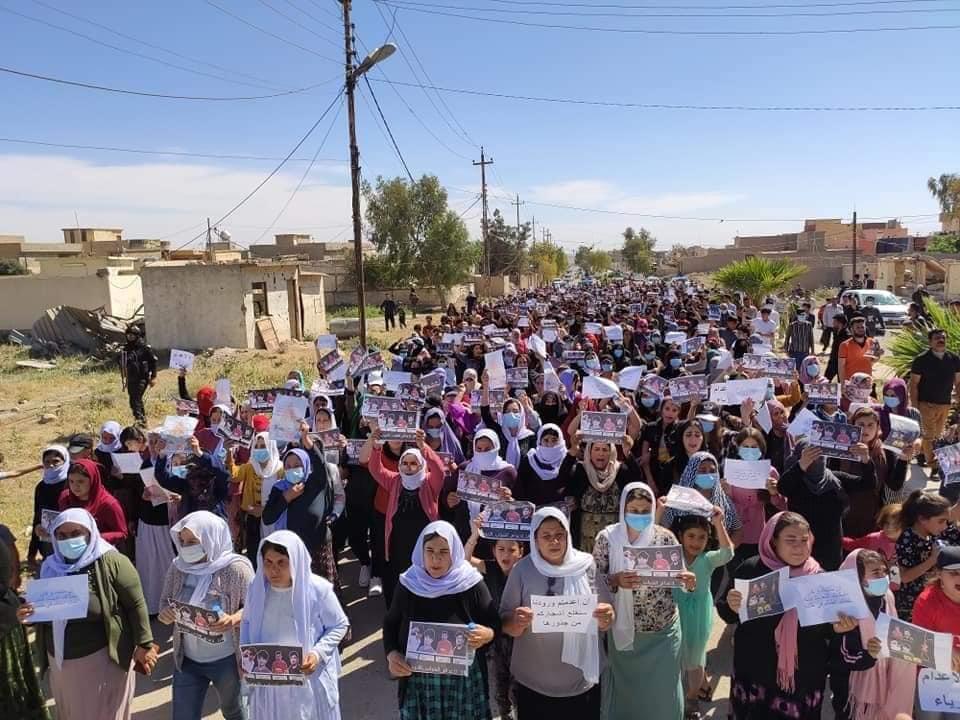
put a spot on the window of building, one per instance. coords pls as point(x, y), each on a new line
point(260, 299)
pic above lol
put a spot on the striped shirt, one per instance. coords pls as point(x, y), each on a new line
point(800, 337)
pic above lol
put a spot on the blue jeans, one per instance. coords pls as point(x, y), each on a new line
point(190, 684)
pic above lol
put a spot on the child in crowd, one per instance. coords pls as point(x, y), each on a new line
point(696, 608)
point(884, 540)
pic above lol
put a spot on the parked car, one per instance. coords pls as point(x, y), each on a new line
point(892, 309)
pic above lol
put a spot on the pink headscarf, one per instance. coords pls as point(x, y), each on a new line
point(887, 688)
point(787, 628)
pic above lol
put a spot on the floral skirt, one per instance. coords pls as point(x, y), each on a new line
point(20, 694)
point(592, 523)
point(753, 701)
point(428, 696)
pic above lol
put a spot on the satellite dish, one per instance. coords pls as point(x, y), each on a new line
point(225, 235)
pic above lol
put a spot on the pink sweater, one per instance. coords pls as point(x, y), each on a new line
point(751, 513)
point(389, 480)
point(874, 541)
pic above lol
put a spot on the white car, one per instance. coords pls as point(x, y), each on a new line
point(892, 309)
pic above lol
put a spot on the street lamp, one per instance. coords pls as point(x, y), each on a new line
point(352, 75)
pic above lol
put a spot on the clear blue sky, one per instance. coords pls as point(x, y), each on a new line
point(780, 166)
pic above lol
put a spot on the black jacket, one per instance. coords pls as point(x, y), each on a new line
point(138, 363)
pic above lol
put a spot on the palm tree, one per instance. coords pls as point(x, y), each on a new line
point(758, 277)
point(911, 340)
point(946, 189)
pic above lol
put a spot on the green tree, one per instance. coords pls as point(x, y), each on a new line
point(582, 257)
point(758, 277)
point(12, 267)
point(946, 189)
point(549, 261)
point(911, 340)
point(418, 238)
point(944, 244)
point(638, 250)
point(507, 256)
point(399, 213)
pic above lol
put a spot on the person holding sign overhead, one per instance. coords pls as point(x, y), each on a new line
point(646, 634)
point(91, 659)
point(779, 668)
point(441, 586)
point(557, 674)
point(288, 605)
point(206, 573)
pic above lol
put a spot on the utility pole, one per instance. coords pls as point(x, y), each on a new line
point(483, 189)
point(351, 83)
point(518, 204)
point(209, 242)
point(854, 253)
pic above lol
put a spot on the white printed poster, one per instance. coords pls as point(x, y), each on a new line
point(563, 613)
point(823, 597)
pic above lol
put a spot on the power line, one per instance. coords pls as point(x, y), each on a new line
point(462, 134)
point(302, 177)
point(142, 93)
point(671, 106)
point(848, 3)
point(339, 17)
point(299, 24)
point(322, 23)
point(285, 41)
point(686, 33)
point(152, 45)
point(272, 172)
point(389, 131)
point(172, 153)
point(411, 4)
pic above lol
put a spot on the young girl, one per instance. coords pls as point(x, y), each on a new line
point(506, 554)
point(656, 447)
point(288, 605)
point(938, 609)
point(257, 478)
point(696, 608)
point(779, 668)
point(925, 518)
point(751, 505)
point(884, 540)
point(55, 461)
point(865, 687)
point(440, 587)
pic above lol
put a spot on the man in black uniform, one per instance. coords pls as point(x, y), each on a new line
point(389, 308)
point(138, 368)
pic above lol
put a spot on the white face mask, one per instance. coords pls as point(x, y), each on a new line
point(551, 455)
point(485, 460)
point(412, 482)
point(192, 553)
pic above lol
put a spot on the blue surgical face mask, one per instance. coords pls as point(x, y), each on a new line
point(705, 481)
point(707, 425)
point(593, 364)
point(676, 362)
point(636, 521)
point(618, 353)
point(649, 356)
point(510, 420)
point(606, 367)
point(891, 402)
point(435, 433)
point(261, 455)
point(813, 370)
point(179, 471)
point(52, 474)
point(72, 548)
point(294, 475)
point(749, 453)
point(655, 339)
point(878, 586)
point(647, 401)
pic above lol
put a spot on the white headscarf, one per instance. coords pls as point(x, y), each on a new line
point(412, 482)
point(217, 544)
point(57, 565)
point(273, 465)
point(623, 626)
point(496, 464)
point(112, 427)
point(513, 441)
point(62, 471)
point(328, 410)
point(579, 649)
point(547, 469)
point(461, 577)
point(304, 612)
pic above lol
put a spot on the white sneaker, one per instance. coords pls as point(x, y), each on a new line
point(376, 587)
point(364, 579)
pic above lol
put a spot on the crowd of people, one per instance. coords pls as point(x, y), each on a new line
point(506, 492)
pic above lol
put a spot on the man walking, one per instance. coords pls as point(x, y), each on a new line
point(840, 336)
point(138, 371)
point(933, 376)
point(830, 311)
point(799, 342)
point(859, 352)
point(389, 308)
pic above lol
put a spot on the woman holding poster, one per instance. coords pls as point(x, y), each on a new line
point(441, 586)
point(779, 668)
point(287, 605)
point(646, 634)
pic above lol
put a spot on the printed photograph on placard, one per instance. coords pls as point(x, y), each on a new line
point(761, 596)
point(949, 459)
point(353, 451)
point(913, 644)
point(857, 389)
point(330, 361)
point(497, 398)
point(187, 407)
point(903, 433)
point(373, 405)
point(688, 388)
point(411, 392)
point(262, 399)
point(195, 620)
point(444, 348)
point(835, 439)
point(439, 648)
point(472, 336)
point(752, 362)
point(574, 356)
point(603, 426)
point(507, 521)
point(46, 519)
point(654, 384)
point(658, 565)
point(779, 367)
point(356, 358)
point(823, 393)
point(272, 664)
point(235, 430)
point(373, 361)
point(517, 377)
point(398, 424)
point(478, 487)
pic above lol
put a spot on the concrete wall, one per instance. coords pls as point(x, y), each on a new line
point(24, 298)
point(492, 286)
point(313, 303)
point(951, 288)
point(428, 297)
